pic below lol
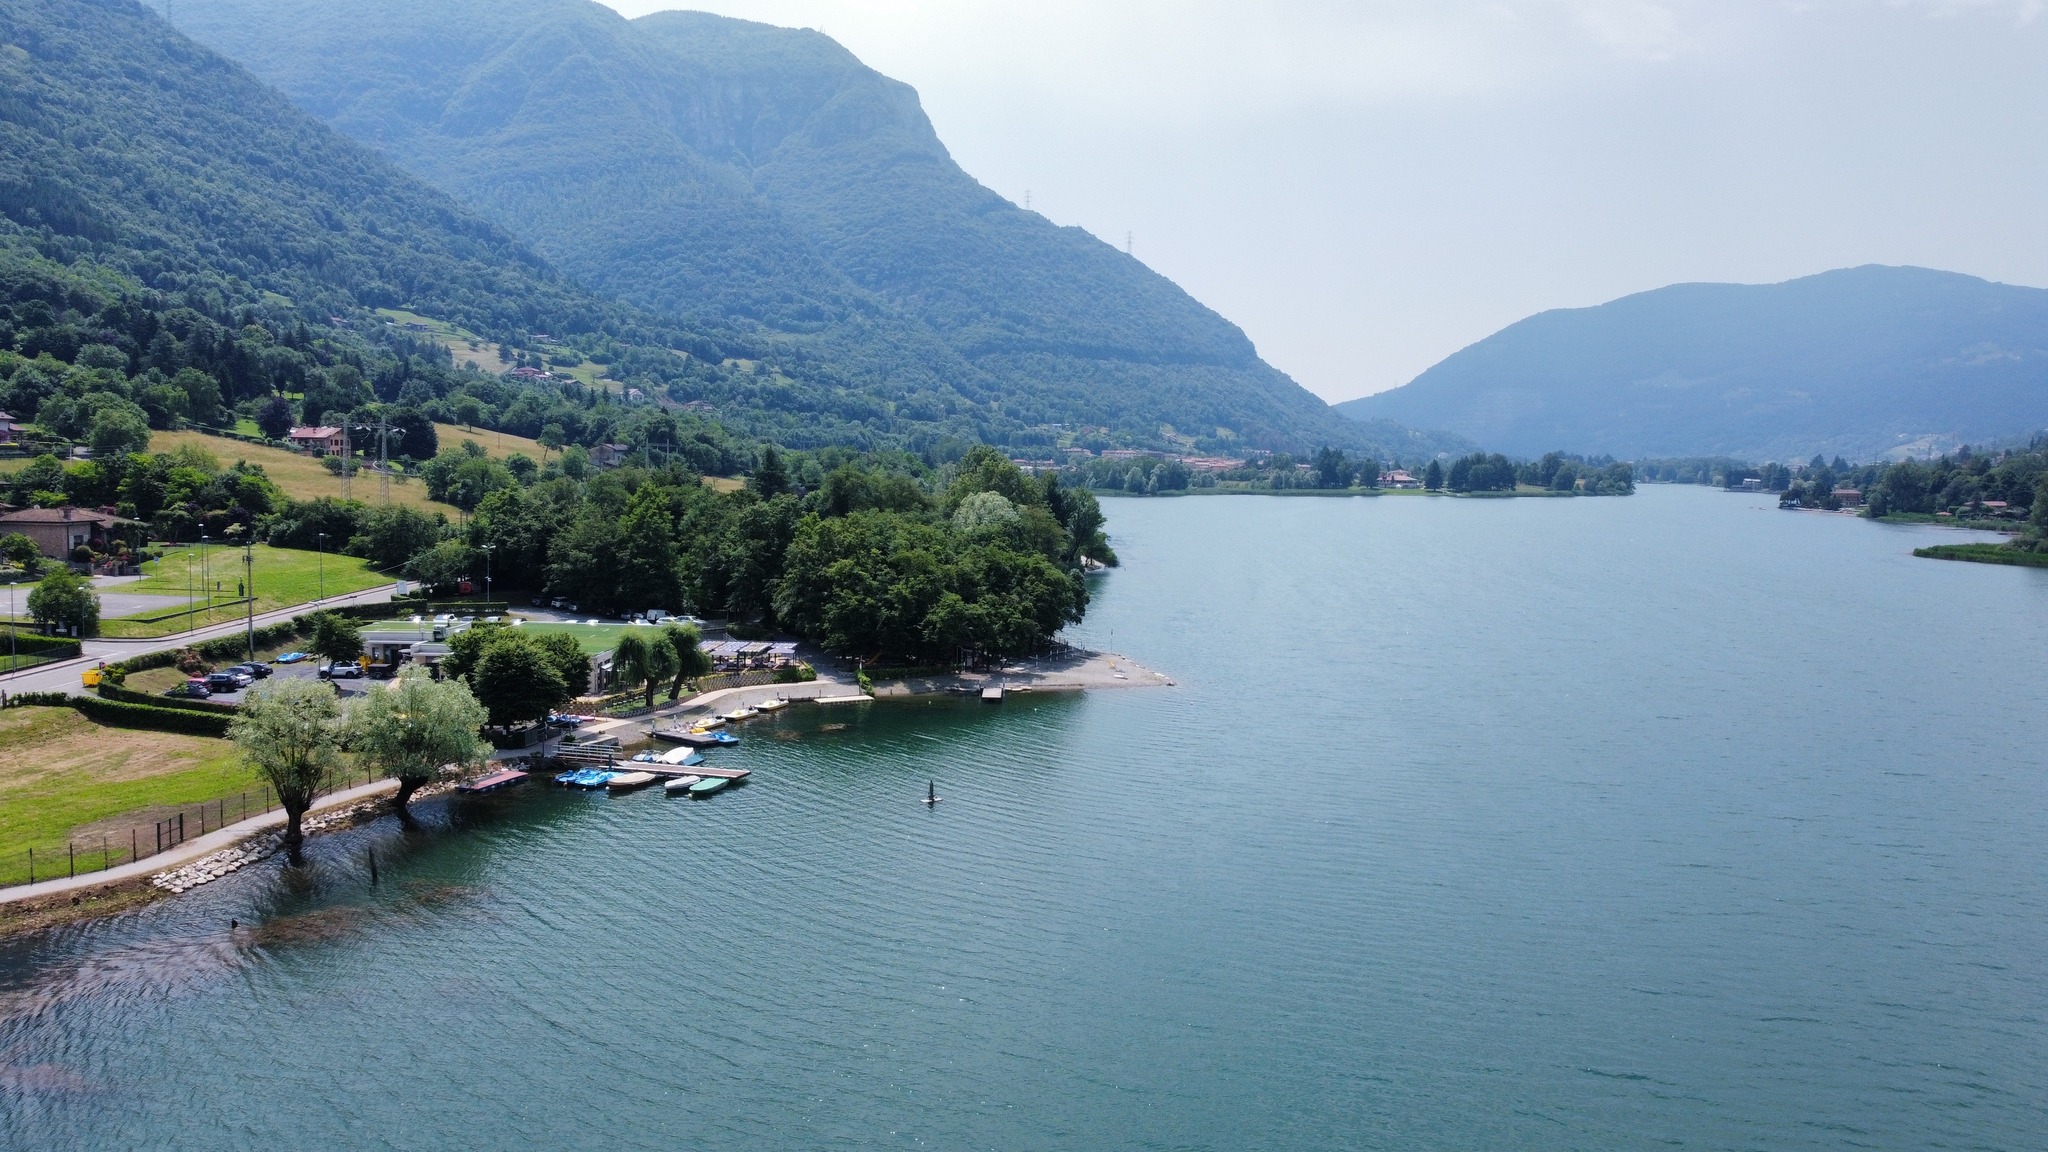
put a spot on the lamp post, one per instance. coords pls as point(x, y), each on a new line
point(12, 624)
point(488, 549)
point(204, 576)
point(320, 547)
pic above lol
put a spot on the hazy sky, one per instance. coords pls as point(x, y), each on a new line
point(1368, 185)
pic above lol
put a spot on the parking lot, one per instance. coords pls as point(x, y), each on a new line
point(304, 670)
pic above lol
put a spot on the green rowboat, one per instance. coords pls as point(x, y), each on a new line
point(708, 785)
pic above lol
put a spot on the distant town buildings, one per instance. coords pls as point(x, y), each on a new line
point(9, 430)
point(1847, 497)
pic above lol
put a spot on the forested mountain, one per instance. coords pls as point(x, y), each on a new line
point(762, 182)
point(1860, 362)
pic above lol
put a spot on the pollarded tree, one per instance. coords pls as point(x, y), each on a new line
point(415, 729)
point(289, 730)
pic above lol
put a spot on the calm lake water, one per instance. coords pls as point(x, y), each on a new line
point(1674, 820)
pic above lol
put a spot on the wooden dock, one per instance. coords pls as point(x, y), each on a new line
point(673, 771)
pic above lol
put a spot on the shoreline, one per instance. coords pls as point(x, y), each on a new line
point(29, 908)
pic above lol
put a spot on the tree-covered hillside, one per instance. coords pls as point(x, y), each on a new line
point(763, 181)
point(1861, 362)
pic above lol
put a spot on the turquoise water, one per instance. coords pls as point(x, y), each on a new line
point(1673, 820)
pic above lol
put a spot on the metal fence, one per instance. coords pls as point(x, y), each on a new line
point(80, 856)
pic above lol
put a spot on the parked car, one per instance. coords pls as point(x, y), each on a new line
point(252, 669)
point(564, 720)
point(290, 658)
point(341, 672)
point(557, 602)
point(194, 688)
point(228, 680)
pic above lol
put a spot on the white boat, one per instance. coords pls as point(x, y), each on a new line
point(680, 785)
point(680, 757)
point(775, 705)
point(627, 781)
point(741, 713)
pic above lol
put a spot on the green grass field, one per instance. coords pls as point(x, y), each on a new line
point(64, 778)
point(595, 638)
point(284, 577)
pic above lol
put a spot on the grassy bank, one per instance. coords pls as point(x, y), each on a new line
point(284, 577)
point(1985, 554)
point(301, 477)
point(66, 779)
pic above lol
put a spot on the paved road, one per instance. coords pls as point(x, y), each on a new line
point(64, 677)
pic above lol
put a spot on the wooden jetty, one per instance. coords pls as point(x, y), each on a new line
point(496, 781)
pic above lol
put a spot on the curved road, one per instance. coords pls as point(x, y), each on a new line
point(64, 677)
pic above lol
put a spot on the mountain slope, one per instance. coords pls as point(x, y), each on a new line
point(124, 144)
point(1859, 362)
point(734, 173)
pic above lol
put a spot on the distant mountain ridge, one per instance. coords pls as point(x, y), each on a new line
point(1862, 362)
point(763, 180)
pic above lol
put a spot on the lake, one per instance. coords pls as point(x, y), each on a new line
point(1596, 823)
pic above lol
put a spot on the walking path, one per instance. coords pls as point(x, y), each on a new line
point(192, 849)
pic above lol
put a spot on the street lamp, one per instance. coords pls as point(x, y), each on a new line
point(249, 590)
point(320, 547)
point(488, 549)
point(204, 576)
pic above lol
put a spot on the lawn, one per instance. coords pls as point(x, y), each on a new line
point(284, 577)
point(1985, 554)
point(595, 638)
point(301, 477)
point(63, 777)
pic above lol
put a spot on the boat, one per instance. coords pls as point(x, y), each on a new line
point(707, 723)
point(680, 757)
point(587, 778)
point(646, 757)
point(708, 786)
point(681, 784)
point(775, 705)
point(742, 713)
point(495, 782)
point(567, 779)
point(627, 781)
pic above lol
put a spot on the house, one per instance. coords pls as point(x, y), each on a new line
point(9, 430)
point(529, 374)
point(610, 455)
point(1399, 478)
point(57, 531)
point(1849, 497)
point(318, 441)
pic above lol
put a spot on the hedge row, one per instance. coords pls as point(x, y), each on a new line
point(37, 644)
point(111, 691)
point(226, 648)
point(127, 715)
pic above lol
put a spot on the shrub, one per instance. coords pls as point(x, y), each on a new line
point(799, 674)
point(190, 662)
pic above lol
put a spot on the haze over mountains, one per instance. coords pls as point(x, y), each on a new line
point(762, 182)
point(1862, 362)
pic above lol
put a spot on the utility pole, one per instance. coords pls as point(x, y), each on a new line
point(488, 549)
point(249, 589)
point(320, 547)
point(344, 462)
point(203, 575)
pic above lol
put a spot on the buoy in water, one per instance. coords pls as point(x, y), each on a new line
point(931, 793)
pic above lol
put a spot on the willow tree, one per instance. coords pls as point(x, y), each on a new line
point(691, 659)
point(415, 729)
point(645, 660)
point(290, 731)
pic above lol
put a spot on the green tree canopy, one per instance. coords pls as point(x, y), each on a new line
point(416, 729)
point(289, 730)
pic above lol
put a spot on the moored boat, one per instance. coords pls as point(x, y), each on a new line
point(679, 757)
point(681, 785)
point(708, 786)
point(741, 713)
point(775, 705)
point(627, 781)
